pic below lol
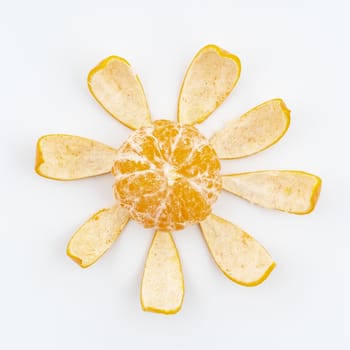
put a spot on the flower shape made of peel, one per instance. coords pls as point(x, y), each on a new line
point(167, 175)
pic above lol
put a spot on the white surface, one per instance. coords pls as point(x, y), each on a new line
point(298, 50)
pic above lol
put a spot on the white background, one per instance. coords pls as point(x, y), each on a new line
point(297, 50)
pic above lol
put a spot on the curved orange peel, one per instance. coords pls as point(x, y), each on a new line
point(256, 130)
point(291, 191)
point(211, 76)
point(162, 287)
point(68, 157)
point(119, 91)
point(96, 235)
point(239, 256)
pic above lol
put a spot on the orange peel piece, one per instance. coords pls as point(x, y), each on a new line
point(162, 287)
point(256, 130)
point(211, 76)
point(238, 255)
point(119, 91)
point(68, 157)
point(96, 235)
point(292, 191)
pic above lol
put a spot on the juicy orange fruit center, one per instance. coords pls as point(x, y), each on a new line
point(167, 175)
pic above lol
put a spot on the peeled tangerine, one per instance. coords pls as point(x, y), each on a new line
point(167, 175)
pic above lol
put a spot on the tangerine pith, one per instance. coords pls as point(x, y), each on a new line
point(167, 175)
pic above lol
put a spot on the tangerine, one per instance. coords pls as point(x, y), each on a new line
point(167, 175)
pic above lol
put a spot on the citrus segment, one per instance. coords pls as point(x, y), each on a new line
point(96, 235)
point(239, 256)
point(167, 176)
point(210, 78)
point(119, 91)
point(291, 191)
point(258, 129)
point(67, 157)
point(162, 287)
